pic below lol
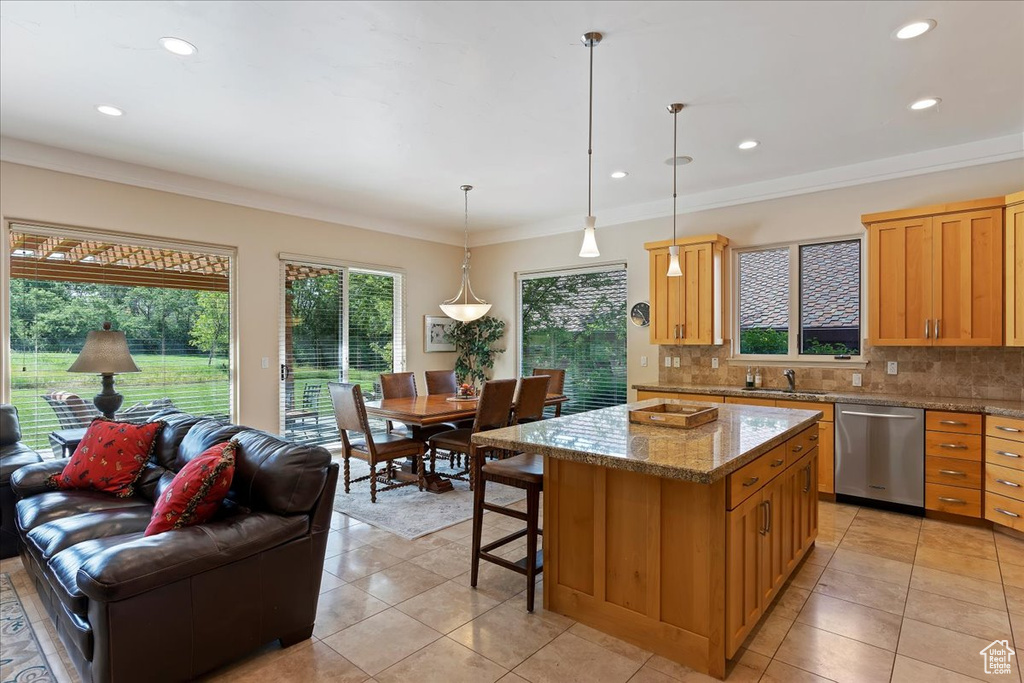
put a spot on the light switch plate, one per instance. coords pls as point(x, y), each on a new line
point(668, 362)
point(714, 363)
point(675, 362)
point(858, 380)
point(891, 367)
point(643, 361)
point(265, 362)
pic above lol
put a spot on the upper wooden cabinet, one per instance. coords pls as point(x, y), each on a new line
point(691, 309)
point(1014, 221)
point(935, 275)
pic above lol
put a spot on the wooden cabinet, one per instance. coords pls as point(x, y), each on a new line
point(952, 463)
point(935, 275)
point(692, 309)
point(1013, 220)
point(1004, 471)
point(642, 395)
point(744, 600)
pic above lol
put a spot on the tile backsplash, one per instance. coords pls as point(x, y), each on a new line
point(975, 372)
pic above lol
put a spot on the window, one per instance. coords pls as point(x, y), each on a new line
point(576, 320)
point(340, 324)
point(814, 285)
point(173, 304)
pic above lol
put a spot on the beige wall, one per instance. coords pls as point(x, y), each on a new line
point(44, 196)
point(822, 214)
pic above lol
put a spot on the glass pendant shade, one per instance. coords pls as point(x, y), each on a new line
point(465, 306)
point(673, 262)
point(589, 248)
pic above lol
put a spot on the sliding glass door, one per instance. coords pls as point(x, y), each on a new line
point(341, 324)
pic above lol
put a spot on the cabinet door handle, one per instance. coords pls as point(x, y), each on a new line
point(938, 323)
point(764, 511)
point(1008, 483)
point(927, 328)
point(958, 501)
point(768, 516)
point(1007, 512)
point(752, 481)
point(953, 446)
point(1008, 429)
point(807, 484)
point(952, 423)
point(797, 448)
point(953, 473)
point(814, 437)
point(1008, 454)
point(776, 463)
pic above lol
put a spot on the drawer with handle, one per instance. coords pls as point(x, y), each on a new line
point(1004, 452)
point(1005, 511)
point(748, 480)
point(1004, 481)
point(952, 472)
point(960, 446)
point(956, 423)
point(953, 499)
point(801, 444)
point(1005, 428)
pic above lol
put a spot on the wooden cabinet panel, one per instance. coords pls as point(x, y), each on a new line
point(1005, 427)
point(1005, 511)
point(960, 446)
point(1014, 267)
point(665, 294)
point(739, 400)
point(700, 398)
point(743, 604)
point(748, 480)
point(953, 499)
point(1005, 481)
point(952, 472)
point(1004, 452)
point(956, 423)
point(900, 282)
point(777, 497)
point(826, 466)
point(827, 409)
point(801, 444)
point(692, 309)
point(967, 307)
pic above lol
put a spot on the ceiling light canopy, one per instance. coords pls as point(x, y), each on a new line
point(914, 29)
point(178, 46)
point(589, 248)
point(619, 174)
point(748, 144)
point(109, 110)
point(678, 161)
point(925, 103)
point(465, 306)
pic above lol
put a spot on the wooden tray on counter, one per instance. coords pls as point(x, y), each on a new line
point(678, 415)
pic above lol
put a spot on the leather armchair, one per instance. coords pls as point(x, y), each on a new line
point(13, 456)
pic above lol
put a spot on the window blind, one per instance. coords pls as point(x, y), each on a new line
point(576, 321)
point(173, 304)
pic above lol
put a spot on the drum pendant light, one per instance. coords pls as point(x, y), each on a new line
point(589, 248)
point(465, 306)
point(673, 251)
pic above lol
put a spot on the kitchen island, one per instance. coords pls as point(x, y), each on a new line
point(676, 540)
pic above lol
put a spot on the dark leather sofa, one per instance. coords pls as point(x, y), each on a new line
point(173, 606)
point(13, 454)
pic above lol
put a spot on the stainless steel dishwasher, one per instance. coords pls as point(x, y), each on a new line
point(880, 453)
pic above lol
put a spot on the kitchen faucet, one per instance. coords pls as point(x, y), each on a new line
point(791, 376)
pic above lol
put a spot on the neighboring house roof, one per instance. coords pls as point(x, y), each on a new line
point(575, 312)
point(830, 282)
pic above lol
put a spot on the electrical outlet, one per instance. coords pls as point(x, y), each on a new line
point(675, 362)
point(668, 362)
point(891, 367)
point(714, 363)
point(265, 362)
point(857, 380)
point(643, 361)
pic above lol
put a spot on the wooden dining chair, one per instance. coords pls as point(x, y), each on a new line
point(350, 412)
point(529, 406)
point(397, 385)
point(492, 412)
point(441, 382)
point(556, 386)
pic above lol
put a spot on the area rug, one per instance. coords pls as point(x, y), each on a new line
point(411, 513)
point(21, 657)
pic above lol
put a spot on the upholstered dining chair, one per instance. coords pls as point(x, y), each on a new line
point(441, 381)
point(529, 405)
point(556, 385)
point(492, 412)
point(350, 412)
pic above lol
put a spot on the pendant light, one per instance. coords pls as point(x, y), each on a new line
point(589, 248)
point(465, 306)
point(673, 251)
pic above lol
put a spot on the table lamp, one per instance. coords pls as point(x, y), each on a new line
point(105, 353)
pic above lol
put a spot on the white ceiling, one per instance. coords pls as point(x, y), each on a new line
point(378, 111)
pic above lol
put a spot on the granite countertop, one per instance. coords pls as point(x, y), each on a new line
point(704, 454)
point(963, 405)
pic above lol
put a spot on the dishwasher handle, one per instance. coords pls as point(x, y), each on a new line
point(885, 415)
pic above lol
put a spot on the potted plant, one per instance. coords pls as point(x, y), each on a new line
point(474, 342)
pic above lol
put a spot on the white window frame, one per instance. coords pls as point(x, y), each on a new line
point(793, 357)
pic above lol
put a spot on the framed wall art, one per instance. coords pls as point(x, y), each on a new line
point(435, 327)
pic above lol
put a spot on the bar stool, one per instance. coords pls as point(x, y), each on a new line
point(524, 471)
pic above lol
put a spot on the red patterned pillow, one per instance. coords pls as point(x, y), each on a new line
point(110, 457)
point(196, 491)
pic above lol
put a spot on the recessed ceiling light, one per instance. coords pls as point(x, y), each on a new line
point(619, 174)
point(179, 47)
point(914, 29)
point(109, 110)
point(678, 161)
point(748, 144)
point(925, 103)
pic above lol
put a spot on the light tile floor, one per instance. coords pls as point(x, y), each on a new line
point(882, 597)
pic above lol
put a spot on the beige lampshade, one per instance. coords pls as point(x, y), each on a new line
point(105, 352)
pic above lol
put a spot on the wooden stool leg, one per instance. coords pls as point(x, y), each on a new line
point(373, 482)
point(478, 528)
point(532, 519)
point(347, 475)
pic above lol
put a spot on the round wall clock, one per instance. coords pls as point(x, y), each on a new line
point(640, 314)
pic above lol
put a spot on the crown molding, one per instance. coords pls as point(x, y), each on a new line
point(990, 151)
point(16, 151)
